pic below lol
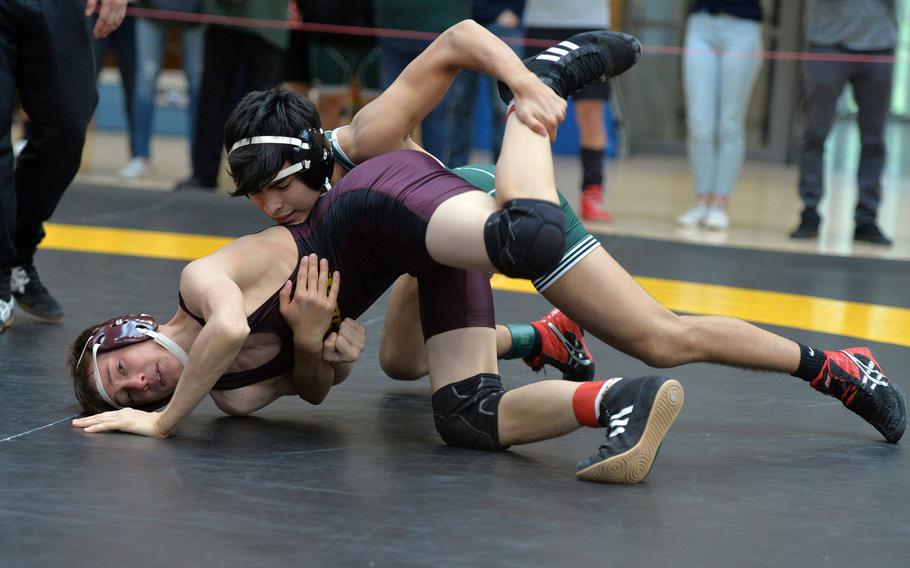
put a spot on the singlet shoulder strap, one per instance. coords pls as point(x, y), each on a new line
point(183, 307)
point(338, 151)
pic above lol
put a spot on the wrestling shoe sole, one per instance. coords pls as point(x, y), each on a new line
point(634, 464)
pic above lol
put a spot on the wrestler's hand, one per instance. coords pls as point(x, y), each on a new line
point(125, 420)
point(538, 106)
point(109, 16)
point(309, 312)
point(345, 345)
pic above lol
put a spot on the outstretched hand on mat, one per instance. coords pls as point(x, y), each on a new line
point(127, 420)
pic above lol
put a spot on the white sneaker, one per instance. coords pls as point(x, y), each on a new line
point(135, 168)
point(693, 216)
point(717, 218)
point(6, 313)
point(18, 146)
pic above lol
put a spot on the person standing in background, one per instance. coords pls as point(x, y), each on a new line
point(837, 28)
point(150, 40)
point(395, 53)
point(46, 54)
point(258, 51)
point(503, 19)
point(549, 20)
point(720, 66)
point(122, 42)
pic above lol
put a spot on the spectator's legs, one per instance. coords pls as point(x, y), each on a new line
point(264, 65)
point(700, 80)
point(57, 87)
point(498, 108)
point(739, 66)
point(222, 54)
point(125, 44)
point(872, 92)
point(459, 123)
point(823, 82)
point(193, 57)
point(149, 51)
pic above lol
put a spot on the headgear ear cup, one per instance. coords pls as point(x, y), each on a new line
point(321, 161)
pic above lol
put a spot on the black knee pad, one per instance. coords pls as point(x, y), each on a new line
point(467, 412)
point(525, 238)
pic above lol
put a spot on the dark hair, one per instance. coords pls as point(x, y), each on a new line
point(276, 112)
point(83, 377)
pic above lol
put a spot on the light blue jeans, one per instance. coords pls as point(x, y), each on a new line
point(718, 80)
point(150, 36)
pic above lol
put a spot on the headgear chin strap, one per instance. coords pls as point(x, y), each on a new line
point(120, 332)
point(312, 155)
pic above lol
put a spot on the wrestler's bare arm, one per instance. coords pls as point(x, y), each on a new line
point(214, 287)
point(385, 123)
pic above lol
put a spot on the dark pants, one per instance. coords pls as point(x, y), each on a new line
point(228, 50)
point(45, 53)
point(123, 42)
point(823, 83)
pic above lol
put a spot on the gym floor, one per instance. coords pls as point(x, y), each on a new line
point(758, 470)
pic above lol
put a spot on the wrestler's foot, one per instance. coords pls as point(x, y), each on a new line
point(584, 58)
point(637, 414)
point(855, 378)
point(562, 345)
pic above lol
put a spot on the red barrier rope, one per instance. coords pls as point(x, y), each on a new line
point(429, 36)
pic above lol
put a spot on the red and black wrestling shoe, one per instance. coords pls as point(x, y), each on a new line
point(585, 58)
point(562, 346)
point(854, 377)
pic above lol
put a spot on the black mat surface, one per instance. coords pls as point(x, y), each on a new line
point(758, 470)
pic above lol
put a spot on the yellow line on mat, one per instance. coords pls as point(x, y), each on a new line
point(873, 322)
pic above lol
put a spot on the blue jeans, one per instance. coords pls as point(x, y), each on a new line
point(150, 36)
point(461, 101)
point(394, 56)
point(718, 78)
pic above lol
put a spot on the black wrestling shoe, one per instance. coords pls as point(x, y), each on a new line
point(584, 58)
point(637, 414)
point(854, 377)
point(31, 295)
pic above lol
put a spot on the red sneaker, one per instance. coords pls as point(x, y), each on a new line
point(562, 345)
point(592, 205)
point(854, 377)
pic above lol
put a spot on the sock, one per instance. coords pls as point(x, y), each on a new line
point(586, 403)
point(811, 361)
point(592, 161)
point(525, 341)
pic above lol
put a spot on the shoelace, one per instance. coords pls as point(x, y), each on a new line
point(6, 310)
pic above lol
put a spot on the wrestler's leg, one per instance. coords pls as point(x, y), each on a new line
point(604, 299)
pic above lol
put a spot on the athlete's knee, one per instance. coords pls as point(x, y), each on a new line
point(401, 368)
point(466, 413)
point(671, 342)
point(525, 238)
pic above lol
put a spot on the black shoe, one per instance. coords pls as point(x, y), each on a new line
point(808, 229)
point(870, 233)
point(31, 295)
point(637, 414)
point(854, 377)
point(194, 183)
point(584, 58)
point(7, 302)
